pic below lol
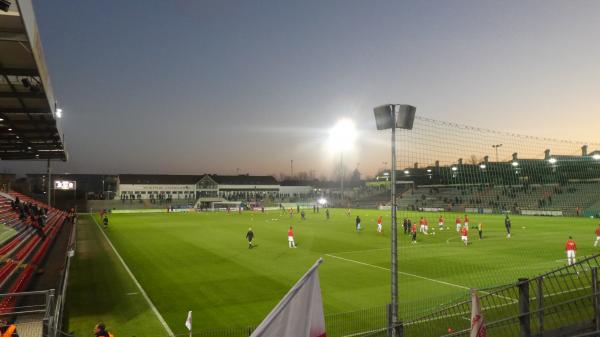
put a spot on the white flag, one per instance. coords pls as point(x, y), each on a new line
point(188, 321)
point(299, 313)
point(477, 323)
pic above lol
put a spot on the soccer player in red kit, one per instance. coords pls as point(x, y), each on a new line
point(379, 224)
point(597, 236)
point(413, 230)
point(466, 221)
point(571, 248)
point(291, 242)
point(458, 224)
point(441, 223)
point(464, 235)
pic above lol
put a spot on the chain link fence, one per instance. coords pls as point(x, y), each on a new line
point(567, 298)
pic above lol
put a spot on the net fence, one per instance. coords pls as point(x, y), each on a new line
point(456, 167)
point(562, 299)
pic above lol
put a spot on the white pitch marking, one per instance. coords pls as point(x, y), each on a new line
point(362, 251)
point(158, 315)
point(400, 272)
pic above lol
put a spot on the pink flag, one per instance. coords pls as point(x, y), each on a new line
point(299, 313)
point(477, 323)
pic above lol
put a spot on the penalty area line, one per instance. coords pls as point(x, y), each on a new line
point(402, 273)
point(139, 286)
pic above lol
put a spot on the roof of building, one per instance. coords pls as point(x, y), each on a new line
point(168, 179)
point(28, 125)
point(159, 179)
point(313, 182)
point(244, 179)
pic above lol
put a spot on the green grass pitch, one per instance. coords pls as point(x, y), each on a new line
point(201, 262)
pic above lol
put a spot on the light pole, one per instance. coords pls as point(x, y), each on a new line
point(392, 116)
point(342, 175)
point(342, 137)
point(496, 146)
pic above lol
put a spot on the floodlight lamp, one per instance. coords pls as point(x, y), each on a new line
point(406, 171)
point(386, 173)
point(322, 201)
point(4, 5)
point(59, 112)
point(482, 166)
point(342, 135)
point(552, 160)
point(515, 163)
point(428, 170)
point(454, 168)
point(596, 156)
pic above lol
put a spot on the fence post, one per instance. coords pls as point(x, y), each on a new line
point(596, 298)
point(540, 305)
point(390, 331)
point(524, 315)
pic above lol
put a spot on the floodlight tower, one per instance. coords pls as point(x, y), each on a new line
point(392, 116)
point(341, 138)
point(496, 146)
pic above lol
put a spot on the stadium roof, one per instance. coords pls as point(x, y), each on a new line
point(312, 182)
point(159, 179)
point(29, 128)
point(244, 179)
point(168, 179)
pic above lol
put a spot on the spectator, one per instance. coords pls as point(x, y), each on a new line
point(8, 330)
point(100, 331)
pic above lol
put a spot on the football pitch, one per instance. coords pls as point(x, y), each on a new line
point(201, 262)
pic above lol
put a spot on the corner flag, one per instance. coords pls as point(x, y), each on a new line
point(299, 313)
point(477, 323)
point(188, 321)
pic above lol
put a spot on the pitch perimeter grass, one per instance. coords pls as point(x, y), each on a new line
point(201, 262)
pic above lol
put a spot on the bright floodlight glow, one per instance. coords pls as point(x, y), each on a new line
point(406, 172)
point(322, 201)
point(482, 166)
point(342, 135)
point(515, 163)
point(59, 112)
point(552, 160)
point(429, 170)
point(454, 168)
point(596, 156)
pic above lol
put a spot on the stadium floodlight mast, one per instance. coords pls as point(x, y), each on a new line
point(496, 146)
point(392, 116)
point(341, 138)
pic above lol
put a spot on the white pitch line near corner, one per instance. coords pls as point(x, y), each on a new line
point(400, 272)
point(142, 291)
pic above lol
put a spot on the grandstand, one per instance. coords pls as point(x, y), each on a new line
point(537, 176)
point(35, 235)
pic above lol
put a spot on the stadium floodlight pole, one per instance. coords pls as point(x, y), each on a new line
point(341, 137)
point(49, 185)
point(392, 116)
point(496, 146)
point(342, 175)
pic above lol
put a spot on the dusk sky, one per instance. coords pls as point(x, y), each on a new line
point(191, 87)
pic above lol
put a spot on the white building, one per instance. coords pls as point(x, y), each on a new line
point(238, 187)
